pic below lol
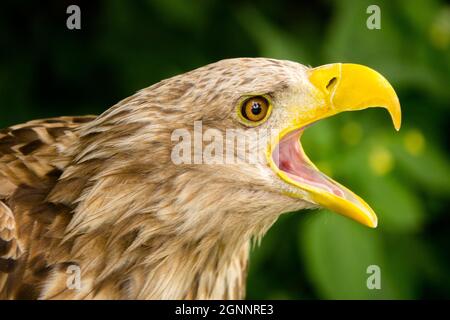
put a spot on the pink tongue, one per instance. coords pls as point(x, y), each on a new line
point(290, 158)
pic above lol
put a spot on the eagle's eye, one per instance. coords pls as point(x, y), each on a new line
point(255, 109)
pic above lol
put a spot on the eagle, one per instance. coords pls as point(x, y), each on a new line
point(100, 207)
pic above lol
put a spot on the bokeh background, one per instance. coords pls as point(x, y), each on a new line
point(47, 70)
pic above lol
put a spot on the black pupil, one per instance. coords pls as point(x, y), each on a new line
point(256, 108)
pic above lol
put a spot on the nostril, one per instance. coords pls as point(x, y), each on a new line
point(331, 83)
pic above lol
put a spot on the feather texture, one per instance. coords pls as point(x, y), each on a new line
point(102, 196)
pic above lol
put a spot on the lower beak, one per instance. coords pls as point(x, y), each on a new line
point(339, 87)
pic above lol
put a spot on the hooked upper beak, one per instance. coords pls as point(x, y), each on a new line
point(338, 87)
point(349, 87)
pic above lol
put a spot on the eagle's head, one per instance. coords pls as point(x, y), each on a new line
point(215, 153)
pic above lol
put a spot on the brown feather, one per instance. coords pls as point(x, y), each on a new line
point(102, 194)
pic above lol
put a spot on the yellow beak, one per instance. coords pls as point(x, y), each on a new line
point(341, 87)
point(349, 87)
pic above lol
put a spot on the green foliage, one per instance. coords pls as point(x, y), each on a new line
point(337, 253)
point(47, 70)
point(404, 176)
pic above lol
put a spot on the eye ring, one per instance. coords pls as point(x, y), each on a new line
point(255, 110)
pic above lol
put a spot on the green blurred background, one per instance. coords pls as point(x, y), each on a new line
point(47, 70)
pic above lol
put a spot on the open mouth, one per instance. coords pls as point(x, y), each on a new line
point(338, 87)
point(294, 167)
point(290, 158)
